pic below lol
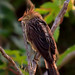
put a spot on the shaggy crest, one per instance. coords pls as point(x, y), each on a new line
point(29, 11)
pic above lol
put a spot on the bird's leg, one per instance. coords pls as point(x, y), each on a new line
point(35, 62)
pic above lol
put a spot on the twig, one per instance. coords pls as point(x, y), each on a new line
point(30, 4)
point(31, 69)
point(26, 46)
point(10, 60)
point(60, 16)
point(13, 71)
point(69, 57)
point(35, 62)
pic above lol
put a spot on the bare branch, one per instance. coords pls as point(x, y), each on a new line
point(30, 4)
point(10, 60)
point(31, 69)
point(60, 16)
point(26, 46)
point(35, 62)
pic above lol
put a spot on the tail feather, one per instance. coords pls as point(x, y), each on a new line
point(52, 69)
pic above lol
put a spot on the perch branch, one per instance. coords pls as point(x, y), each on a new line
point(31, 69)
point(10, 60)
point(26, 46)
point(60, 16)
point(69, 57)
point(35, 62)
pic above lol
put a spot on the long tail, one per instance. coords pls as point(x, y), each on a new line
point(52, 69)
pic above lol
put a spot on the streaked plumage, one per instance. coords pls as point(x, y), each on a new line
point(39, 36)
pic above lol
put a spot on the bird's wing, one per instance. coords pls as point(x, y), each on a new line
point(37, 36)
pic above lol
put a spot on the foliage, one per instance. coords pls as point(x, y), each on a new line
point(9, 24)
point(66, 53)
point(11, 32)
point(9, 27)
point(56, 34)
point(51, 9)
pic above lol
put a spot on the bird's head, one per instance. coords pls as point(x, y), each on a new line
point(29, 14)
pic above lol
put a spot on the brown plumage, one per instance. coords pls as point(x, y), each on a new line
point(39, 36)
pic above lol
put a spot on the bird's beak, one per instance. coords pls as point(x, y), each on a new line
point(20, 19)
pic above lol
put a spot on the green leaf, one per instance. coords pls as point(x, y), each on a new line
point(3, 72)
point(70, 5)
point(58, 2)
point(17, 56)
point(42, 10)
point(62, 56)
point(24, 72)
point(56, 34)
point(49, 18)
point(14, 52)
point(21, 59)
point(3, 66)
point(67, 14)
point(48, 5)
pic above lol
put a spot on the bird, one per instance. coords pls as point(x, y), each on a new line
point(39, 36)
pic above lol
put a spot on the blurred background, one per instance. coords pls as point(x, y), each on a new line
point(11, 34)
